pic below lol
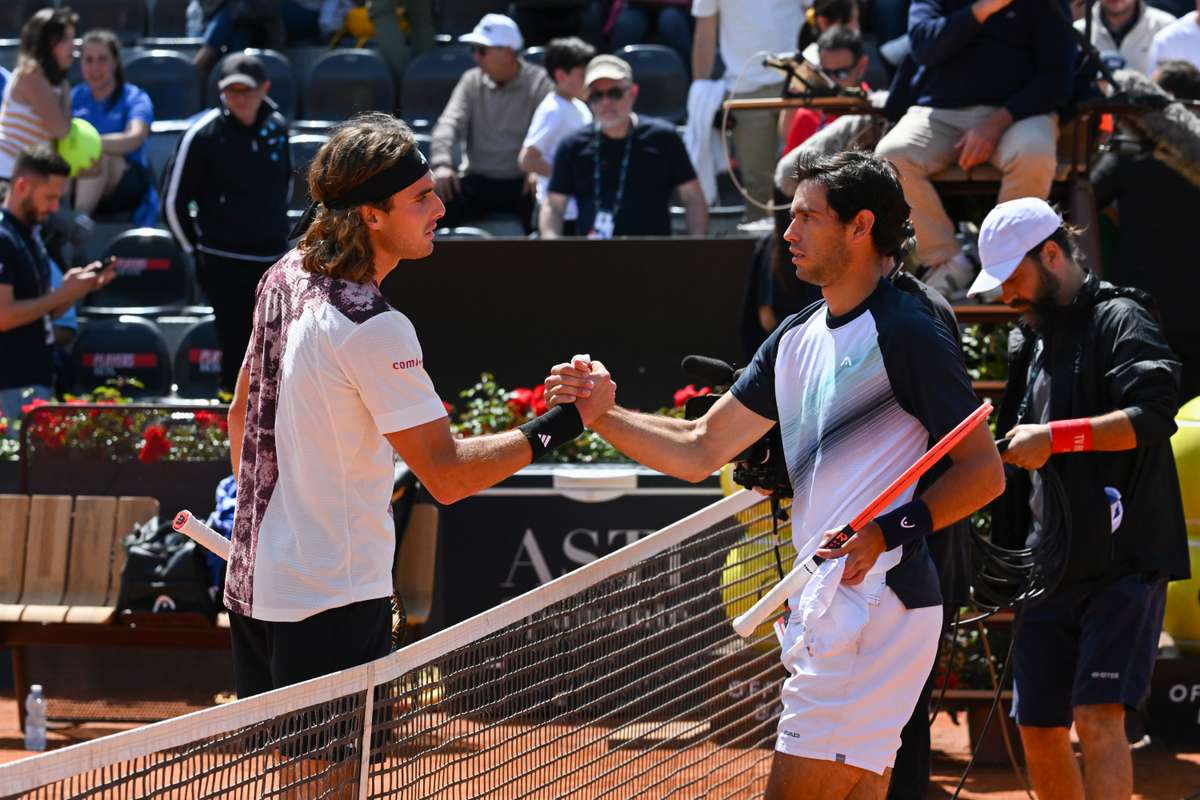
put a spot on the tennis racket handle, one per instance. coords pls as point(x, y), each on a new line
point(792, 583)
point(201, 534)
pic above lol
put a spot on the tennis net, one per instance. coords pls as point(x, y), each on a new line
point(621, 679)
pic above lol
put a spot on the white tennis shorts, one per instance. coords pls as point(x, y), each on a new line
point(849, 705)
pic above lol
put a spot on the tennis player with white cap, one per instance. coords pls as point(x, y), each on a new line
point(1093, 388)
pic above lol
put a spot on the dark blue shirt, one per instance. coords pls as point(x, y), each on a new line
point(1020, 58)
point(658, 164)
point(133, 103)
point(24, 266)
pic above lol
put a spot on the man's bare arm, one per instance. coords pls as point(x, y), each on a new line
point(550, 216)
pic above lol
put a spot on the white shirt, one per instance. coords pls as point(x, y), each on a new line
point(554, 118)
point(1179, 40)
point(1135, 47)
point(332, 369)
point(746, 30)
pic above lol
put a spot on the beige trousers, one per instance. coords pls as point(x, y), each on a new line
point(922, 144)
point(756, 147)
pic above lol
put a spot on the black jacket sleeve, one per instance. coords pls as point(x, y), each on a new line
point(1142, 374)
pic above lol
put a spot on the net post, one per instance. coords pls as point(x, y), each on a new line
point(364, 770)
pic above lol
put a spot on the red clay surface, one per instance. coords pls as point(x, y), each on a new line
point(1160, 774)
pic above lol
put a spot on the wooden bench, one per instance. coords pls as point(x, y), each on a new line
point(60, 572)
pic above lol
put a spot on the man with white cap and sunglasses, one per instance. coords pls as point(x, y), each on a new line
point(489, 113)
point(1093, 389)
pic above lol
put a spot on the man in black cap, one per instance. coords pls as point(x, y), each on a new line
point(226, 200)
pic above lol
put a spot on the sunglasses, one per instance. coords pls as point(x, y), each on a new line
point(839, 74)
point(614, 94)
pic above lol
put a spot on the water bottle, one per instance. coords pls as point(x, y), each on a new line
point(35, 719)
point(195, 19)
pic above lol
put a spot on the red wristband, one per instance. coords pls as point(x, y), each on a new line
point(1071, 435)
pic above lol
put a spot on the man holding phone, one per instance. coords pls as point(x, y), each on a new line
point(27, 301)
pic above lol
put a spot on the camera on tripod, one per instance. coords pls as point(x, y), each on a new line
point(762, 464)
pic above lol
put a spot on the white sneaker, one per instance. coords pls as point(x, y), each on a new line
point(952, 278)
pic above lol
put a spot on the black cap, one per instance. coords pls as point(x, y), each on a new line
point(242, 68)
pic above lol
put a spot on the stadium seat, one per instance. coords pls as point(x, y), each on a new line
point(279, 72)
point(461, 232)
point(125, 18)
point(125, 347)
point(170, 80)
point(304, 147)
point(460, 16)
point(164, 138)
point(662, 81)
point(429, 81)
point(8, 52)
point(152, 273)
point(186, 46)
point(15, 13)
point(534, 55)
point(168, 17)
point(198, 362)
point(344, 82)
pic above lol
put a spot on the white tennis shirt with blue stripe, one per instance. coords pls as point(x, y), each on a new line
point(859, 398)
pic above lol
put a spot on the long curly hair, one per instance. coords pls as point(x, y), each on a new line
point(336, 244)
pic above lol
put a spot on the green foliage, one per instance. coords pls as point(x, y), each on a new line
point(985, 347)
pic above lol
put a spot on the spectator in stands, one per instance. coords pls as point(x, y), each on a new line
point(236, 25)
point(1179, 41)
point(490, 109)
point(1157, 209)
point(623, 169)
point(667, 22)
point(234, 164)
point(27, 301)
point(820, 17)
point(560, 113)
point(748, 27)
point(841, 57)
point(301, 20)
point(990, 77)
point(397, 48)
point(122, 113)
point(1127, 27)
point(543, 20)
point(37, 102)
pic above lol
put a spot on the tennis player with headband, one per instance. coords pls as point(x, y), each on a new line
point(861, 384)
point(332, 383)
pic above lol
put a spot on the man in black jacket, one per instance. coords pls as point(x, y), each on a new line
point(226, 200)
point(1092, 388)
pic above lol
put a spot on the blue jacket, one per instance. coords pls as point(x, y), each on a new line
point(1021, 58)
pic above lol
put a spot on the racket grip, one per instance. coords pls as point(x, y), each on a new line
point(745, 624)
point(201, 534)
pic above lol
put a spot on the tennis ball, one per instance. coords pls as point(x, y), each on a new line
point(80, 147)
point(1182, 617)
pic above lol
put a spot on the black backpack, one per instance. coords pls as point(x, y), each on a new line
point(164, 572)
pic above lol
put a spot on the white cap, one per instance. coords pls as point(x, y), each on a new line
point(1009, 232)
point(495, 30)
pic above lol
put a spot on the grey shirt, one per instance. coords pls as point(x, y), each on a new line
point(491, 119)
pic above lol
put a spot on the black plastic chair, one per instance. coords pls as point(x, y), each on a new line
point(198, 362)
point(534, 55)
point(170, 80)
point(279, 73)
point(662, 81)
point(123, 348)
point(152, 274)
point(126, 18)
point(460, 16)
point(344, 82)
point(168, 18)
point(429, 81)
point(304, 147)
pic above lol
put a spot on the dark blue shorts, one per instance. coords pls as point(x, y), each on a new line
point(1083, 647)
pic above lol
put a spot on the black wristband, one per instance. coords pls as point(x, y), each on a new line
point(556, 427)
point(905, 524)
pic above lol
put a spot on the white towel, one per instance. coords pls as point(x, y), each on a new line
point(829, 615)
point(703, 142)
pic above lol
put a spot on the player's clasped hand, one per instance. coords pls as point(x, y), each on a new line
point(1028, 446)
point(861, 552)
point(585, 382)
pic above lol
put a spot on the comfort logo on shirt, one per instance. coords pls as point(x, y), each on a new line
point(411, 363)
